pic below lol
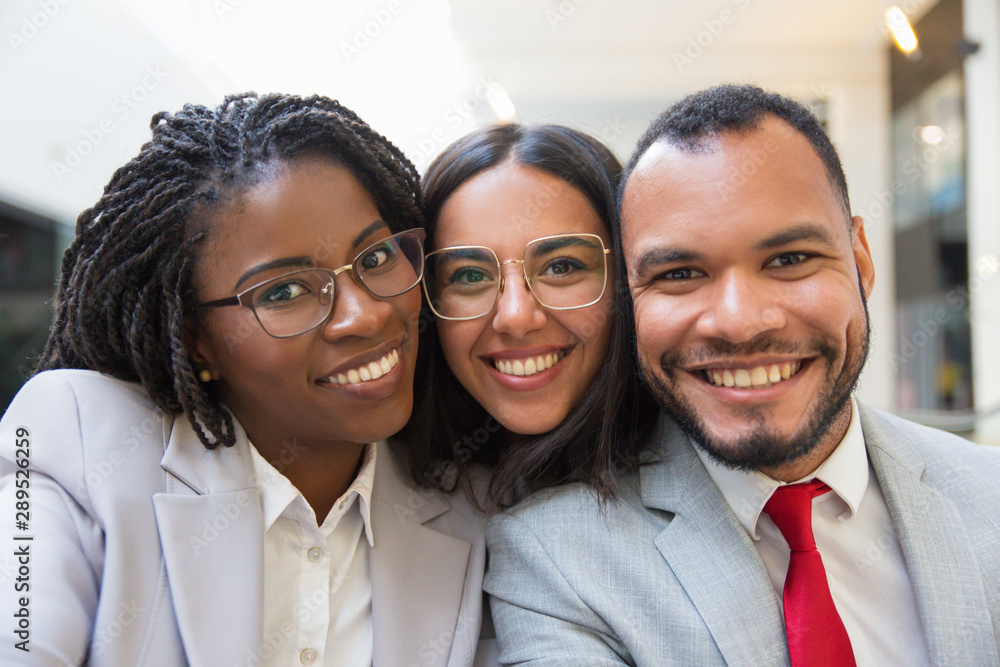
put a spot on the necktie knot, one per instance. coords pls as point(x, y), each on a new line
point(790, 508)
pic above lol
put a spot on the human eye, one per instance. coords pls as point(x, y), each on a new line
point(788, 259)
point(377, 256)
point(281, 292)
point(678, 275)
point(562, 266)
point(469, 276)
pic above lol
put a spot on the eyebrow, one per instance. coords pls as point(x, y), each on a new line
point(275, 264)
point(451, 254)
point(803, 232)
point(368, 231)
point(660, 256)
point(306, 261)
point(549, 245)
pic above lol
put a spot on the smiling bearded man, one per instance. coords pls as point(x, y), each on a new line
point(775, 519)
point(729, 284)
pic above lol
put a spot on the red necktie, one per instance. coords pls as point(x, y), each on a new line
point(816, 635)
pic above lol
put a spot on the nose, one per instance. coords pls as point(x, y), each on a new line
point(740, 309)
point(355, 311)
point(517, 312)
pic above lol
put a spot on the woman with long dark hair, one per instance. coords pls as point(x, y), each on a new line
point(526, 308)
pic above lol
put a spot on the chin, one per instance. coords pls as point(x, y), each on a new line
point(528, 427)
point(388, 425)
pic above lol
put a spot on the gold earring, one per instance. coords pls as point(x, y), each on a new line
point(205, 375)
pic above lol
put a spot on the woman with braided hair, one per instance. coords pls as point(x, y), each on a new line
point(199, 465)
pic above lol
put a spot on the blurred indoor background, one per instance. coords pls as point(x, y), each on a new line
point(910, 95)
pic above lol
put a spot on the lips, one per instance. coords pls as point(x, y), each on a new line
point(757, 377)
point(366, 372)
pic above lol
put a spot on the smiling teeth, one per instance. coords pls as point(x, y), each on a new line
point(755, 378)
point(528, 366)
point(370, 371)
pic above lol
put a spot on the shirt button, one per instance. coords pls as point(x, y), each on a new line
point(314, 555)
point(308, 656)
point(342, 503)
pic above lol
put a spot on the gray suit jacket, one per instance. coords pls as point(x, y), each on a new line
point(147, 547)
point(668, 576)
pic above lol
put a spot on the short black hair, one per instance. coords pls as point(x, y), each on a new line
point(692, 122)
point(126, 292)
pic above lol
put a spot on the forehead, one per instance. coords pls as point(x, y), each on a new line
point(509, 205)
point(293, 203)
point(737, 186)
point(308, 213)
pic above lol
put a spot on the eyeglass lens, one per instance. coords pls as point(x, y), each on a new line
point(299, 301)
point(563, 272)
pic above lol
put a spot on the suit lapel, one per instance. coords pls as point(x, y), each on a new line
point(417, 573)
point(712, 556)
point(211, 530)
point(935, 547)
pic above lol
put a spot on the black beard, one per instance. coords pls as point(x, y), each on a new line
point(764, 448)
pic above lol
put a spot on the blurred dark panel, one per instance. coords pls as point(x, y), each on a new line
point(29, 253)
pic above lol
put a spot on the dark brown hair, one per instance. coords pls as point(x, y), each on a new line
point(125, 293)
point(449, 429)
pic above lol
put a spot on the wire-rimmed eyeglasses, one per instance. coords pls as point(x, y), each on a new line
point(299, 301)
point(563, 272)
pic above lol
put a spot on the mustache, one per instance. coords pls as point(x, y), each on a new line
point(715, 350)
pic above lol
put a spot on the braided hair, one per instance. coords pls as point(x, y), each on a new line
point(126, 286)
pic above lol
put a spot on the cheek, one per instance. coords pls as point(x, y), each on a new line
point(457, 340)
point(592, 326)
point(407, 306)
point(242, 346)
point(655, 325)
point(831, 311)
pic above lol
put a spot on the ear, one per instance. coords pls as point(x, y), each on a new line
point(863, 255)
point(199, 346)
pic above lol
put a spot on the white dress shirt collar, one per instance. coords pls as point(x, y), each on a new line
point(845, 471)
point(279, 496)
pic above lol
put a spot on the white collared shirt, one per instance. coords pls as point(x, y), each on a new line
point(857, 541)
point(317, 585)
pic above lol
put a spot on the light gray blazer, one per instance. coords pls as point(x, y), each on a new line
point(668, 576)
point(147, 547)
